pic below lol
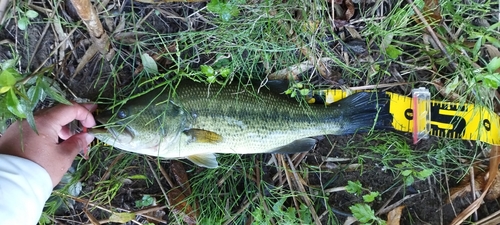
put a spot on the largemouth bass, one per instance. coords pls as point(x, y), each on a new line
point(195, 121)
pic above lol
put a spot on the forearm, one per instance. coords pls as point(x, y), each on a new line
point(24, 188)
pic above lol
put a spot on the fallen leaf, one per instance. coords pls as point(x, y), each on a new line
point(121, 217)
point(394, 216)
point(349, 13)
point(432, 11)
point(180, 206)
point(180, 176)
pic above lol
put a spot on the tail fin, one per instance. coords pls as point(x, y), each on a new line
point(367, 110)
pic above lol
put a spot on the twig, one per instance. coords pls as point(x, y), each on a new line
point(88, 14)
point(3, 8)
point(389, 200)
point(396, 204)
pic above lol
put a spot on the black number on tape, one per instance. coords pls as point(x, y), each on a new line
point(457, 123)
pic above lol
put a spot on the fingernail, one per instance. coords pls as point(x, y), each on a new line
point(89, 138)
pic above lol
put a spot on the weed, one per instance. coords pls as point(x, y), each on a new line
point(361, 211)
point(225, 9)
point(25, 17)
point(409, 173)
point(365, 214)
point(20, 94)
point(146, 200)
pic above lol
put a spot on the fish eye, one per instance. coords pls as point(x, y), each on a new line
point(121, 114)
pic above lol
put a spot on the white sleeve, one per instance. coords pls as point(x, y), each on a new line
point(24, 188)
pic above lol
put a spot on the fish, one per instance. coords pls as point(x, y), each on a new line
point(193, 120)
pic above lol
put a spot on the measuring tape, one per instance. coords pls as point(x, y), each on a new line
point(423, 117)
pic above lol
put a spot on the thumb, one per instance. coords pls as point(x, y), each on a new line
point(76, 143)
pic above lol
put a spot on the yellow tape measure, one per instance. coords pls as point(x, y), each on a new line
point(436, 118)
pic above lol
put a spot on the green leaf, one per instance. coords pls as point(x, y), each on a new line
point(477, 47)
point(363, 213)
point(52, 93)
point(304, 92)
point(146, 200)
point(36, 94)
point(406, 173)
point(354, 187)
point(493, 41)
point(138, 177)
point(28, 105)
point(493, 65)
point(424, 173)
point(207, 70)
point(393, 52)
point(491, 80)
point(224, 72)
point(31, 121)
point(211, 79)
point(10, 63)
point(370, 197)
point(214, 6)
point(494, 26)
point(22, 23)
point(149, 64)
point(31, 14)
point(409, 180)
point(8, 78)
point(121, 217)
point(277, 206)
point(13, 104)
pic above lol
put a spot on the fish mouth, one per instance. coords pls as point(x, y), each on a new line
point(117, 130)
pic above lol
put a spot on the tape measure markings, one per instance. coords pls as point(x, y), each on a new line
point(447, 119)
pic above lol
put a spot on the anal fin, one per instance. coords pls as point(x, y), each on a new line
point(205, 160)
point(300, 145)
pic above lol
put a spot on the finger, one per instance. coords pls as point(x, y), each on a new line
point(64, 114)
point(91, 107)
point(76, 143)
point(69, 130)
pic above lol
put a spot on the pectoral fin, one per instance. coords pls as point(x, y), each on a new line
point(203, 136)
point(204, 160)
point(300, 145)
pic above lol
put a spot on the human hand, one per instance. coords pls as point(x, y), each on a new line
point(44, 148)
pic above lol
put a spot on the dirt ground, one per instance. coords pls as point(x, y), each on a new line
point(424, 201)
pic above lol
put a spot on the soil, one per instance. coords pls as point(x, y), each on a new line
point(427, 201)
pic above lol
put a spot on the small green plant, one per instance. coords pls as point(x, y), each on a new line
point(25, 17)
point(357, 189)
point(20, 94)
point(288, 216)
point(409, 173)
point(298, 88)
point(146, 201)
point(490, 78)
point(362, 211)
point(365, 214)
point(225, 9)
point(212, 74)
